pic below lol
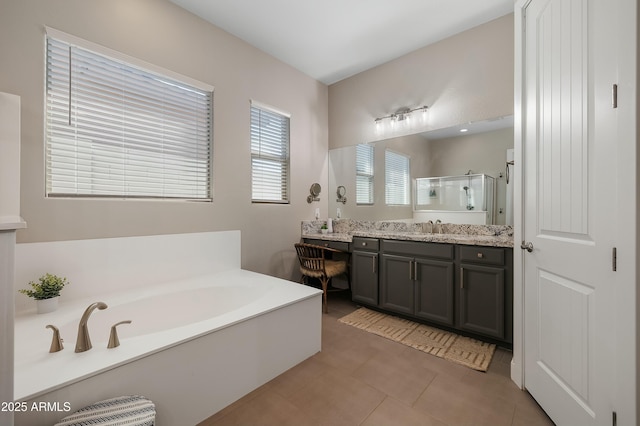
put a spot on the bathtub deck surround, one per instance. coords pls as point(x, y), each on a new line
point(199, 324)
point(345, 229)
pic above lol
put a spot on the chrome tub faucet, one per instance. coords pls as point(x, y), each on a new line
point(83, 343)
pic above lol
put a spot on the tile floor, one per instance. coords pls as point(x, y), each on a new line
point(363, 379)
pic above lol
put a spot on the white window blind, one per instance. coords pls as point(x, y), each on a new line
point(364, 174)
point(397, 178)
point(269, 155)
point(116, 130)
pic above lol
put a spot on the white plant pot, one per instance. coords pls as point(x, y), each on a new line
point(45, 306)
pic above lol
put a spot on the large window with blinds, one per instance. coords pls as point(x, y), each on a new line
point(269, 154)
point(397, 178)
point(116, 129)
point(364, 174)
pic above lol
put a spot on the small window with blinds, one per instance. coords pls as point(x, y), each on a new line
point(114, 129)
point(269, 154)
point(397, 178)
point(364, 174)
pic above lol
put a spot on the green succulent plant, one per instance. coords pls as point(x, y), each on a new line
point(47, 287)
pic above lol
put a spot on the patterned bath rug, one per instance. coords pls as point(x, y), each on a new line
point(463, 350)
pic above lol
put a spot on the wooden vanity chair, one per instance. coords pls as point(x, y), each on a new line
point(314, 264)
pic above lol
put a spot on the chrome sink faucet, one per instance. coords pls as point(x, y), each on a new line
point(430, 223)
point(83, 343)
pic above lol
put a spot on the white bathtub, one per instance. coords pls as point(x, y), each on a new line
point(194, 346)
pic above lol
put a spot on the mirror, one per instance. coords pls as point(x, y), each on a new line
point(314, 192)
point(341, 192)
point(481, 149)
point(315, 189)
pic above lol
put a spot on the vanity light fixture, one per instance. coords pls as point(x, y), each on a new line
point(401, 114)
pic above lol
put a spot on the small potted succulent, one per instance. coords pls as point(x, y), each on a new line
point(46, 292)
point(324, 229)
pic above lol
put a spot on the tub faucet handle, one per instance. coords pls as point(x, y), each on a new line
point(114, 342)
point(56, 342)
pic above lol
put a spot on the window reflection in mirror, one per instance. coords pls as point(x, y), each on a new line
point(364, 174)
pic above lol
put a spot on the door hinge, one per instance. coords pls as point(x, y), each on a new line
point(614, 419)
point(614, 96)
point(614, 259)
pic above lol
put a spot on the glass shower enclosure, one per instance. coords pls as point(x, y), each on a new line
point(463, 193)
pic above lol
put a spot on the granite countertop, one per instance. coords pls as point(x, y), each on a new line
point(478, 235)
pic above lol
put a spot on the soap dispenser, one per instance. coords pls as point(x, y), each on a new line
point(329, 225)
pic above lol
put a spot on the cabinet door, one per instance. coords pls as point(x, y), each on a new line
point(396, 283)
point(364, 282)
point(434, 290)
point(481, 308)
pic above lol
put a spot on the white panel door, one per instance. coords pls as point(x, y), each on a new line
point(569, 147)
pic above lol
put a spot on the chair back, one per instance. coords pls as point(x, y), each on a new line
point(311, 257)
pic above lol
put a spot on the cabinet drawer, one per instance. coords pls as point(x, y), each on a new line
point(418, 249)
point(338, 245)
point(482, 255)
point(369, 244)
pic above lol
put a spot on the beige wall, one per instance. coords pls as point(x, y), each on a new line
point(466, 77)
point(160, 33)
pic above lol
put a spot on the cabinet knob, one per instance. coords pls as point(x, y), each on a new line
point(480, 255)
point(364, 244)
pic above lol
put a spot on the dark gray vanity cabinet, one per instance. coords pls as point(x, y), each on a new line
point(485, 291)
point(364, 271)
point(417, 279)
point(435, 290)
point(396, 283)
point(464, 288)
